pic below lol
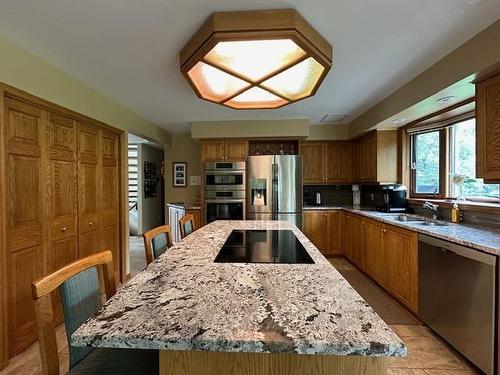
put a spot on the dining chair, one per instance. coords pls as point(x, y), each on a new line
point(81, 297)
point(156, 242)
point(186, 225)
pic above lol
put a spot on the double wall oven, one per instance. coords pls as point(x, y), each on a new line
point(224, 190)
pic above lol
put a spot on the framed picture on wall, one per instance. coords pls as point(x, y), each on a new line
point(179, 171)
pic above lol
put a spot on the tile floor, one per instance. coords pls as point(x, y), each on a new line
point(427, 353)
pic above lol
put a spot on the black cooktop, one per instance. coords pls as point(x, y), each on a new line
point(263, 246)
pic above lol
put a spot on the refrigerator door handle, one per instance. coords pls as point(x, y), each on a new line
point(275, 191)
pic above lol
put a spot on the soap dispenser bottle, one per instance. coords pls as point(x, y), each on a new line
point(456, 215)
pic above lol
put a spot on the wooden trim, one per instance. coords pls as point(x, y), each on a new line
point(4, 352)
point(123, 206)
point(415, 124)
point(493, 208)
point(148, 238)
point(228, 363)
point(487, 73)
point(183, 220)
point(15, 93)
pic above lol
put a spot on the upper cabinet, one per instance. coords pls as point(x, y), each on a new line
point(221, 150)
point(488, 128)
point(375, 157)
point(327, 162)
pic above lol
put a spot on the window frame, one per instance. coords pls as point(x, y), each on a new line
point(442, 192)
point(445, 155)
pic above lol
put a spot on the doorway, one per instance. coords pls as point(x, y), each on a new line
point(146, 195)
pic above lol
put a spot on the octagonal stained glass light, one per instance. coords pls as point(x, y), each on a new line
point(256, 59)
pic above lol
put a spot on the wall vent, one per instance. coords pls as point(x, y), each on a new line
point(333, 118)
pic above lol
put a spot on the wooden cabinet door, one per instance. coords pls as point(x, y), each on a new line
point(355, 240)
point(315, 228)
point(110, 192)
point(338, 164)
point(368, 158)
point(212, 151)
point(313, 159)
point(61, 182)
point(25, 213)
point(402, 264)
point(335, 232)
point(488, 129)
point(375, 258)
point(89, 202)
point(236, 150)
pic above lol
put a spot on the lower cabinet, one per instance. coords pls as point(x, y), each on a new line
point(354, 240)
point(390, 256)
point(325, 230)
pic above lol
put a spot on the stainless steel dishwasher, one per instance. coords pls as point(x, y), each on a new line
point(457, 297)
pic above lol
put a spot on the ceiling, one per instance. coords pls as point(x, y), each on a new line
point(128, 49)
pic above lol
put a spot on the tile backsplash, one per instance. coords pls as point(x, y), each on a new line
point(331, 195)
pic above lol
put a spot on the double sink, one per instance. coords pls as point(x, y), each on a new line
point(415, 219)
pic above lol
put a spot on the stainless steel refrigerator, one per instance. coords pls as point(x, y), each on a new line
point(274, 188)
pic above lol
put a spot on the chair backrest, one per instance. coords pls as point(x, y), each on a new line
point(156, 242)
point(186, 225)
point(80, 297)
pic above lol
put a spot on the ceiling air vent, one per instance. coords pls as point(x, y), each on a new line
point(333, 118)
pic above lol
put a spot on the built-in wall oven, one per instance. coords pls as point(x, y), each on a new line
point(224, 191)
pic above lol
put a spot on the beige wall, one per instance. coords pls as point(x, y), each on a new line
point(184, 149)
point(25, 71)
point(471, 57)
point(328, 132)
point(297, 128)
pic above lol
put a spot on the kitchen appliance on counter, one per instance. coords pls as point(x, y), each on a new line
point(274, 190)
point(457, 297)
point(224, 191)
point(391, 198)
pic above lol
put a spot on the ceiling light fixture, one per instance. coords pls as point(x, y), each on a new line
point(256, 59)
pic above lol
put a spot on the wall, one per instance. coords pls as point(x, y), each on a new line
point(328, 132)
point(25, 71)
point(298, 128)
point(471, 57)
point(183, 149)
point(150, 209)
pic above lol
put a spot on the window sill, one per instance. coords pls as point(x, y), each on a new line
point(464, 206)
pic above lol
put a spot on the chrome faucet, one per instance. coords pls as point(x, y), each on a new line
point(431, 207)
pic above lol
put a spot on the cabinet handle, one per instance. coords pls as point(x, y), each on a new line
point(91, 223)
point(325, 214)
point(63, 229)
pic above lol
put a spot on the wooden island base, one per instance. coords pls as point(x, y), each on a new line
point(221, 363)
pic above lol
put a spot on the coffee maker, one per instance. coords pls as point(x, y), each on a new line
point(391, 198)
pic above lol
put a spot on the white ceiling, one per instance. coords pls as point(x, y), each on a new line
point(128, 49)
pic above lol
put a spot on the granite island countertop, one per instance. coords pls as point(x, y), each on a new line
point(184, 301)
point(479, 238)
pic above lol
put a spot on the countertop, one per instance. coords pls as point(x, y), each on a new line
point(191, 206)
point(479, 238)
point(184, 301)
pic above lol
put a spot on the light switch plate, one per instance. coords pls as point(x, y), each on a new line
point(194, 180)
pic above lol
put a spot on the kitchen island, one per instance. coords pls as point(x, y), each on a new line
point(250, 318)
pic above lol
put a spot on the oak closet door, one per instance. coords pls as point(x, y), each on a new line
point(89, 202)
point(61, 180)
point(25, 217)
point(110, 195)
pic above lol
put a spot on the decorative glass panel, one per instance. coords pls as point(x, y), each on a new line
point(256, 98)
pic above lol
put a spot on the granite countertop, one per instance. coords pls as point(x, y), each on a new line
point(479, 238)
point(184, 301)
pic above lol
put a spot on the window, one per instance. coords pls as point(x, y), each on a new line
point(463, 161)
point(439, 154)
point(426, 163)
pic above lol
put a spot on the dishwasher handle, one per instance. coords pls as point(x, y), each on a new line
point(460, 250)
